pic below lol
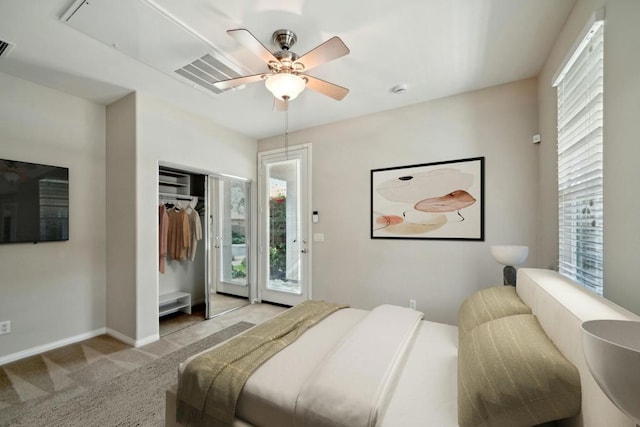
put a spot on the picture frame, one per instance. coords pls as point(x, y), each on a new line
point(429, 201)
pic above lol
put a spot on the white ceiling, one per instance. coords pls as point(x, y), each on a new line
point(436, 47)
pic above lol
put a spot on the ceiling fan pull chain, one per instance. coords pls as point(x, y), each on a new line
point(286, 126)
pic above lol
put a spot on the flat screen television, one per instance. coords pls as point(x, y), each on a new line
point(34, 202)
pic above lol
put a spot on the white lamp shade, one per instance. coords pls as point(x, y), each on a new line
point(285, 85)
point(612, 351)
point(510, 255)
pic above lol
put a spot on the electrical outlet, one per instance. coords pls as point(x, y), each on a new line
point(5, 327)
point(412, 304)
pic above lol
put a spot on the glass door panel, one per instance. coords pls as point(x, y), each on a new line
point(230, 231)
point(284, 227)
point(284, 276)
point(234, 232)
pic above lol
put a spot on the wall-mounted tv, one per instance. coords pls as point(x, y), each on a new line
point(34, 202)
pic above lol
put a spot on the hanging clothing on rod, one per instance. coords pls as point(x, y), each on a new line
point(196, 230)
point(180, 233)
point(163, 229)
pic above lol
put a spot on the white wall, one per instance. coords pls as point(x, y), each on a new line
point(69, 281)
point(621, 148)
point(348, 266)
point(55, 291)
point(121, 202)
point(165, 134)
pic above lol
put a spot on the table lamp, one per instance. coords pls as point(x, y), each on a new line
point(509, 256)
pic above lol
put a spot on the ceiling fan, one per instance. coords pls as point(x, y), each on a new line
point(286, 77)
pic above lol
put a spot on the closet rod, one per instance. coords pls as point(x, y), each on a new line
point(178, 197)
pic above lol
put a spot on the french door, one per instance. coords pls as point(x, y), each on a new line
point(284, 244)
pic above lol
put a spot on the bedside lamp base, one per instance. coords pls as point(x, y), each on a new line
point(509, 275)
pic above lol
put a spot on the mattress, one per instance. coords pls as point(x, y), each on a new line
point(424, 393)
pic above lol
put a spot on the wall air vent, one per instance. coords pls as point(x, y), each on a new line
point(5, 48)
point(206, 71)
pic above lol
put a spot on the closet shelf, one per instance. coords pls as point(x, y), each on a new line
point(172, 183)
point(174, 302)
point(177, 196)
point(167, 172)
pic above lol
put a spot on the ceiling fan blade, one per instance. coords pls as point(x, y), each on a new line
point(238, 81)
point(329, 89)
point(333, 48)
point(250, 42)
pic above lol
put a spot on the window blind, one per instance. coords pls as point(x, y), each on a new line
point(580, 152)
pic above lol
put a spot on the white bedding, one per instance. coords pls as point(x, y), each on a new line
point(426, 390)
point(269, 396)
point(424, 393)
point(353, 383)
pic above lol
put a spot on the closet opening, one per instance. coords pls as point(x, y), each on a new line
point(203, 234)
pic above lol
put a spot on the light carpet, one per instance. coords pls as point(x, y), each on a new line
point(135, 398)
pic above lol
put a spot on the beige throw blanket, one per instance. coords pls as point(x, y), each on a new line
point(211, 383)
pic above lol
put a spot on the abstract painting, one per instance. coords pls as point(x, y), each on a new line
point(443, 201)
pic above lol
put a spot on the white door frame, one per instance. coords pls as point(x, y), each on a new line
point(305, 216)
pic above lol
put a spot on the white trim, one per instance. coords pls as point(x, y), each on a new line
point(50, 346)
point(309, 222)
point(595, 21)
point(283, 150)
point(198, 171)
point(147, 340)
point(134, 343)
point(71, 10)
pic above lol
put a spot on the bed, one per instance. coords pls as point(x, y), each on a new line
point(355, 368)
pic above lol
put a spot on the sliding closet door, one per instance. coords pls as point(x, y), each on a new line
point(229, 225)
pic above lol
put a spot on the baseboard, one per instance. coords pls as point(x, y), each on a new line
point(50, 346)
point(147, 340)
point(74, 339)
point(130, 341)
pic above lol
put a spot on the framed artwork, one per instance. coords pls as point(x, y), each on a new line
point(442, 201)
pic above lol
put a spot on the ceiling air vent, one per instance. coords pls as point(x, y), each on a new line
point(206, 71)
point(144, 31)
point(5, 48)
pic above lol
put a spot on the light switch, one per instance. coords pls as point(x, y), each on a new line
point(318, 237)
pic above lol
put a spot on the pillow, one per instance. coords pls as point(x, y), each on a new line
point(510, 374)
point(489, 304)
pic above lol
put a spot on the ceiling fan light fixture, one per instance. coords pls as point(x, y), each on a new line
point(283, 85)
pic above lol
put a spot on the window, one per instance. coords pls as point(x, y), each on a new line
point(580, 175)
